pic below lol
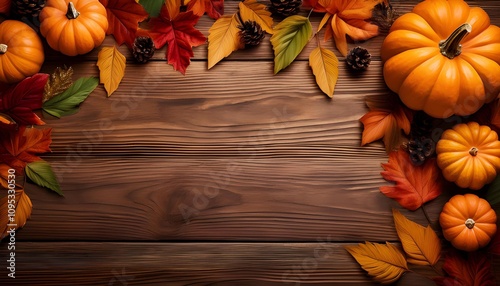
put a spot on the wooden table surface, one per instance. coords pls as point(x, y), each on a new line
point(228, 176)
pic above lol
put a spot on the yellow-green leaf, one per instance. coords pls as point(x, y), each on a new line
point(111, 65)
point(223, 39)
point(385, 263)
point(325, 67)
point(22, 204)
point(289, 38)
point(251, 10)
point(41, 173)
point(421, 244)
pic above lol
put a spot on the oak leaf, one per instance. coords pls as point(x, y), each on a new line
point(124, 17)
point(223, 39)
point(22, 204)
point(385, 263)
point(421, 244)
point(251, 10)
point(58, 82)
point(414, 185)
point(111, 65)
point(325, 67)
point(213, 8)
point(474, 270)
point(180, 35)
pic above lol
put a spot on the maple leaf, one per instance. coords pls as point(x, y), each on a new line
point(17, 148)
point(19, 101)
point(385, 263)
point(124, 17)
point(475, 270)
point(180, 35)
point(213, 8)
point(23, 206)
point(415, 185)
point(111, 65)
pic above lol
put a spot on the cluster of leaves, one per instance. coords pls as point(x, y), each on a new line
point(21, 143)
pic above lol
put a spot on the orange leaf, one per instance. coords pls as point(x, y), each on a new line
point(123, 18)
point(213, 8)
point(415, 185)
point(10, 221)
point(475, 270)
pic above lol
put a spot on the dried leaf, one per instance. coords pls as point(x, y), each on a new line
point(421, 244)
point(124, 17)
point(289, 38)
point(58, 82)
point(385, 263)
point(415, 185)
point(251, 10)
point(475, 270)
point(223, 39)
point(111, 65)
point(213, 8)
point(383, 16)
point(22, 204)
point(325, 67)
point(67, 102)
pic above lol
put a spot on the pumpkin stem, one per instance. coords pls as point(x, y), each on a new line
point(72, 13)
point(3, 49)
point(451, 47)
point(469, 223)
point(473, 151)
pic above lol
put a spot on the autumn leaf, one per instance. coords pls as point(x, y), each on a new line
point(180, 35)
point(251, 10)
point(223, 39)
point(4, 175)
point(475, 270)
point(67, 102)
point(5, 6)
point(124, 17)
point(7, 123)
point(111, 65)
point(213, 8)
point(325, 67)
point(58, 82)
point(41, 173)
point(22, 204)
point(415, 185)
point(289, 38)
point(153, 7)
point(421, 244)
point(19, 101)
point(385, 263)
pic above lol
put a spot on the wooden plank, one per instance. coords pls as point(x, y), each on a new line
point(222, 264)
point(248, 199)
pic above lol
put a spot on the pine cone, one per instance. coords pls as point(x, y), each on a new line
point(420, 149)
point(251, 33)
point(143, 49)
point(285, 8)
point(383, 15)
point(27, 7)
point(358, 59)
point(421, 125)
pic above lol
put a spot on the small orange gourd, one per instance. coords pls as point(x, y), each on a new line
point(21, 51)
point(443, 58)
point(468, 222)
point(469, 155)
point(73, 27)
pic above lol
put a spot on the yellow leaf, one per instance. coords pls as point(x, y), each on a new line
point(223, 39)
point(325, 67)
point(421, 244)
point(21, 203)
point(323, 22)
point(385, 263)
point(173, 7)
point(251, 10)
point(111, 64)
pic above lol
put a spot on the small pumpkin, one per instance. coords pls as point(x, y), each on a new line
point(5, 6)
point(21, 51)
point(469, 155)
point(73, 27)
point(468, 222)
point(443, 58)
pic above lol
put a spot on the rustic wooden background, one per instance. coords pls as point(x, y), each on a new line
point(228, 176)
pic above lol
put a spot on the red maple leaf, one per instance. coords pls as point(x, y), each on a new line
point(17, 148)
point(19, 101)
point(213, 8)
point(123, 18)
point(475, 270)
point(180, 35)
point(415, 185)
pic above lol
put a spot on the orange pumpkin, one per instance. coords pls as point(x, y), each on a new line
point(469, 155)
point(443, 58)
point(468, 222)
point(73, 27)
point(21, 51)
point(5, 6)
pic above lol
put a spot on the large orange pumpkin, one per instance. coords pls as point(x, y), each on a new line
point(468, 222)
point(21, 51)
point(443, 58)
point(73, 27)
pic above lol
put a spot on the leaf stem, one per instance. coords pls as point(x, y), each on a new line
point(426, 215)
point(310, 12)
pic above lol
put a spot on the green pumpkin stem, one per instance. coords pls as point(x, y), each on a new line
point(451, 47)
point(72, 13)
point(3, 49)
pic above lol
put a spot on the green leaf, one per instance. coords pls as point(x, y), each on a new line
point(67, 102)
point(289, 38)
point(40, 172)
point(493, 193)
point(153, 7)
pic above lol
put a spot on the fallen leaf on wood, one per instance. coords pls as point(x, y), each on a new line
point(124, 17)
point(473, 270)
point(325, 67)
point(60, 80)
point(41, 173)
point(223, 39)
point(67, 102)
point(23, 206)
point(213, 8)
point(111, 65)
point(251, 10)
